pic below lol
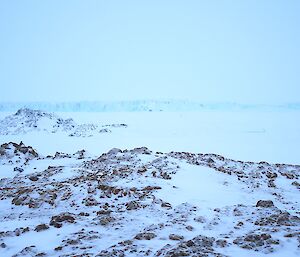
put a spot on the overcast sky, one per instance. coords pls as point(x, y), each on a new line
point(211, 51)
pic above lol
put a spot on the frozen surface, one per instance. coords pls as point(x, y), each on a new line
point(181, 179)
point(271, 136)
point(208, 188)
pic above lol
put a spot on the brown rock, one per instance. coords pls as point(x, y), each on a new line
point(57, 220)
point(41, 227)
point(175, 237)
point(265, 203)
point(145, 236)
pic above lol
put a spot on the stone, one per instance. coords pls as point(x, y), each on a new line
point(265, 203)
point(34, 178)
point(175, 237)
point(18, 169)
point(145, 236)
point(200, 219)
point(106, 220)
point(41, 227)
point(166, 205)
point(133, 205)
point(259, 242)
point(221, 243)
point(114, 151)
point(57, 220)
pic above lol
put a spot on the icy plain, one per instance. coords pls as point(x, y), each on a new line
point(210, 183)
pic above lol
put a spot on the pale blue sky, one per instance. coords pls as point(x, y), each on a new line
point(211, 51)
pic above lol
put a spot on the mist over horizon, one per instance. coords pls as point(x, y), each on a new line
point(203, 51)
point(145, 105)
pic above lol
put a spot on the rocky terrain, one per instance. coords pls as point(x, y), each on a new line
point(27, 120)
point(143, 203)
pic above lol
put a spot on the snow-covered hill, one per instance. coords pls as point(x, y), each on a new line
point(28, 120)
point(143, 203)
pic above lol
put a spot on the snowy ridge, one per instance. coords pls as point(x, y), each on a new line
point(27, 120)
point(143, 203)
point(142, 105)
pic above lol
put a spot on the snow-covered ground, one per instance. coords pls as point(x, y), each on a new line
point(183, 184)
point(244, 135)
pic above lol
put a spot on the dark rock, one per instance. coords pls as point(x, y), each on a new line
point(27, 251)
point(41, 227)
point(294, 234)
point(80, 154)
point(145, 236)
point(106, 220)
point(203, 241)
point(90, 201)
point(19, 231)
point(112, 253)
point(271, 175)
point(165, 175)
point(59, 248)
point(237, 212)
point(141, 150)
point(34, 178)
point(200, 219)
point(133, 205)
point(257, 237)
point(72, 242)
point(40, 254)
point(17, 149)
point(260, 242)
point(126, 242)
point(114, 151)
point(166, 205)
point(175, 237)
point(189, 228)
point(84, 214)
point(265, 203)
point(296, 184)
point(221, 243)
point(104, 212)
point(151, 188)
point(20, 200)
point(279, 219)
point(105, 130)
point(271, 183)
point(18, 169)
point(198, 246)
point(57, 220)
point(210, 160)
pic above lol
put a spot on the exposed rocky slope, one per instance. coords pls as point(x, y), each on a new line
point(115, 205)
point(11, 150)
point(27, 120)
